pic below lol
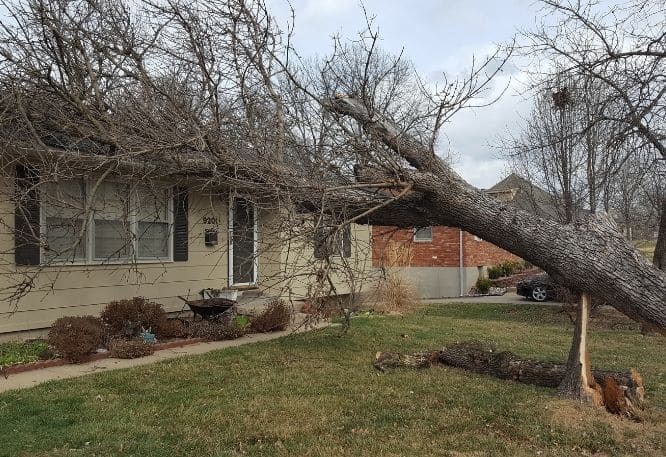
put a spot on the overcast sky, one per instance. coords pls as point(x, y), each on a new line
point(437, 36)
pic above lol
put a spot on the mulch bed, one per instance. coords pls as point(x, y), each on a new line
point(21, 368)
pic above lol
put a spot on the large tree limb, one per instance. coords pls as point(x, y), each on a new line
point(589, 257)
point(621, 392)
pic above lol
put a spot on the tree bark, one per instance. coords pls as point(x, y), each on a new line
point(590, 256)
point(578, 382)
point(659, 257)
point(621, 392)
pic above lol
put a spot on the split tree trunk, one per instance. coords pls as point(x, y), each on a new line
point(592, 257)
point(578, 382)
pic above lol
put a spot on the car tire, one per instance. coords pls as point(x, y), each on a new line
point(539, 293)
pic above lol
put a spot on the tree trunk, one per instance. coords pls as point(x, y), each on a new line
point(623, 392)
point(578, 383)
point(591, 257)
point(659, 257)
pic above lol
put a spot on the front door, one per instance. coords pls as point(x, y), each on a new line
point(242, 242)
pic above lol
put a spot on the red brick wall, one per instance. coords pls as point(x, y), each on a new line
point(396, 247)
point(478, 252)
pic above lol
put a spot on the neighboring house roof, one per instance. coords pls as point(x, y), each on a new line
point(521, 193)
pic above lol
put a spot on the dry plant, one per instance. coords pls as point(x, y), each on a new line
point(276, 317)
point(130, 349)
point(76, 337)
point(395, 294)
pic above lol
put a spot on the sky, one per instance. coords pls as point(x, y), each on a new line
point(437, 36)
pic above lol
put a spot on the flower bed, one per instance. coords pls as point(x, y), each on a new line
point(21, 352)
point(23, 367)
point(121, 333)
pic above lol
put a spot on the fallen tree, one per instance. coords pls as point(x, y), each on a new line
point(208, 94)
point(590, 257)
point(622, 393)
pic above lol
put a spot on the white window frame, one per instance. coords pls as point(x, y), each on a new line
point(423, 240)
point(230, 237)
point(90, 233)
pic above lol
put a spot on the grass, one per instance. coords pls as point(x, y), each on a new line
point(317, 394)
point(19, 352)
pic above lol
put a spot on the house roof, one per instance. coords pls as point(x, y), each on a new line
point(518, 191)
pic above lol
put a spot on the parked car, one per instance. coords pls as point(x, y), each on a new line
point(537, 288)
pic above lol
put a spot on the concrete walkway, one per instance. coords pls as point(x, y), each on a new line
point(35, 377)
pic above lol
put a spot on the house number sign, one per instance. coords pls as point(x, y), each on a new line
point(211, 220)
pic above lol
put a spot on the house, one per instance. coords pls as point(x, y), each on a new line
point(522, 194)
point(446, 261)
point(70, 245)
point(441, 261)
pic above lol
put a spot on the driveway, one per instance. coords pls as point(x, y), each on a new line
point(509, 297)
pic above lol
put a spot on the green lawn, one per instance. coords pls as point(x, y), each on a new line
point(317, 394)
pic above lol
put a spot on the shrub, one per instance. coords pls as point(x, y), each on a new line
point(130, 349)
point(396, 294)
point(125, 318)
point(75, 338)
point(323, 307)
point(215, 330)
point(510, 267)
point(308, 308)
point(172, 328)
point(483, 285)
point(495, 272)
point(275, 317)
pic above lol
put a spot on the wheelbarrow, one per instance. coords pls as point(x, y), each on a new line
point(209, 308)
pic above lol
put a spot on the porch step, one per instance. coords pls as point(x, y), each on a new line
point(254, 305)
point(248, 294)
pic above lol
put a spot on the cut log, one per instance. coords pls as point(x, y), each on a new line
point(384, 360)
point(621, 392)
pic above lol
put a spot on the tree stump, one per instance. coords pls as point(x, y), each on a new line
point(578, 382)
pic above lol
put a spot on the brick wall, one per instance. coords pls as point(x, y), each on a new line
point(477, 252)
point(396, 247)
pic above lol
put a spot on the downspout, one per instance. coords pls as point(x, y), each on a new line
point(462, 264)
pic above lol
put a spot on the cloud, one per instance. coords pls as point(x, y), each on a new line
point(439, 38)
point(320, 9)
point(474, 135)
point(482, 174)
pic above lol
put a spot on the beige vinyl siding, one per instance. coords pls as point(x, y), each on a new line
point(299, 266)
point(284, 268)
point(85, 289)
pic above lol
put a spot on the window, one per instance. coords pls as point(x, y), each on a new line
point(423, 234)
point(63, 222)
point(124, 224)
point(112, 232)
point(152, 214)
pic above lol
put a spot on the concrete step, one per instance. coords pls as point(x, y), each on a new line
point(254, 305)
